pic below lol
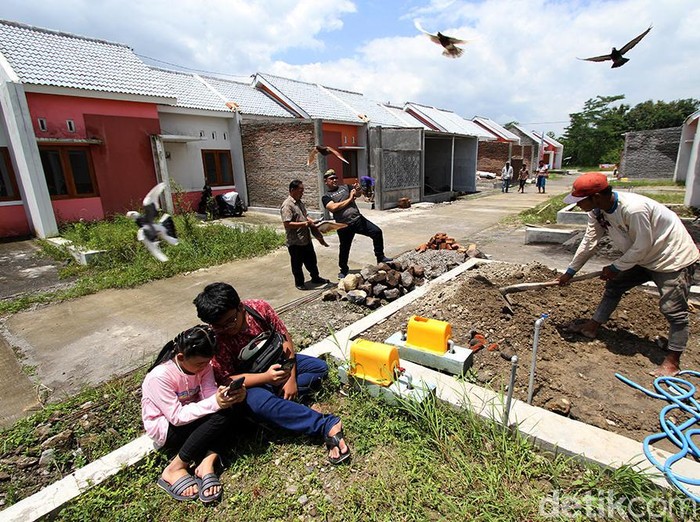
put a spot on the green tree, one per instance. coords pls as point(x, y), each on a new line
point(596, 134)
point(595, 131)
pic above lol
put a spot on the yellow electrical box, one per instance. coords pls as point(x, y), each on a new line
point(377, 363)
point(429, 335)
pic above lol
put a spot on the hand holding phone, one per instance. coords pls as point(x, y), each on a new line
point(235, 384)
point(288, 364)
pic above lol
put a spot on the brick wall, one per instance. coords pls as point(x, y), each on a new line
point(651, 153)
point(492, 156)
point(275, 154)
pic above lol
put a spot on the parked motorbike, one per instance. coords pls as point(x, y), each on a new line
point(222, 205)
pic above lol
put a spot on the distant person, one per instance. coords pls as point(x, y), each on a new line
point(616, 172)
point(340, 201)
point(523, 174)
point(542, 175)
point(506, 176)
point(655, 247)
point(183, 410)
point(298, 227)
point(271, 394)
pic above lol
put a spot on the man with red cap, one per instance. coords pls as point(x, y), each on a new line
point(655, 246)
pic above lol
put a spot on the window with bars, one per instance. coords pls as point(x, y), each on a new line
point(68, 172)
point(217, 167)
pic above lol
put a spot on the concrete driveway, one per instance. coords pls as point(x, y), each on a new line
point(88, 340)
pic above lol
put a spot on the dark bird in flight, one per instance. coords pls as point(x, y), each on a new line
point(151, 232)
point(324, 151)
point(616, 56)
point(448, 43)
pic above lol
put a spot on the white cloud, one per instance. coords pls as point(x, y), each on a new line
point(522, 66)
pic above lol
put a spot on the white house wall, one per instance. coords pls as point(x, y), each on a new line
point(185, 166)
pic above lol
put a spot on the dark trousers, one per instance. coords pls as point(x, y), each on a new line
point(364, 227)
point(208, 434)
point(303, 255)
point(266, 405)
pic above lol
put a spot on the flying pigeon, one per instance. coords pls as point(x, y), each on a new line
point(324, 151)
point(615, 55)
point(149, 232)
point(450, 48)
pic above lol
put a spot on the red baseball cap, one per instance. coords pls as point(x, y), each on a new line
point(587, 185)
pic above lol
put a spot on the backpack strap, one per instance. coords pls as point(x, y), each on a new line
point(259, 318)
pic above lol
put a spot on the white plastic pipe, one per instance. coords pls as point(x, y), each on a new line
point(533, 365)
point(511, 387)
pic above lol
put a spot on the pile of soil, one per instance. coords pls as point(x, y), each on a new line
point(575, 376)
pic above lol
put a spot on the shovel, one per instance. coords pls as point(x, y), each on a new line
point(524, 287)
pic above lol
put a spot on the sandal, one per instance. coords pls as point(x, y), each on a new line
point(334, 442)
point(175, 490)
point(209, 480)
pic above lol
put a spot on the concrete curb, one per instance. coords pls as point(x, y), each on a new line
point(545, 429)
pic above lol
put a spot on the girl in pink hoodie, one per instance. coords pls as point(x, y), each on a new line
point(184, 410)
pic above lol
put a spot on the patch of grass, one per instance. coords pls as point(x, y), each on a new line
point(647, 183)
point(419, 462)
point(126, 263)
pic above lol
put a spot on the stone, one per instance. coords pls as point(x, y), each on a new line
point(331, 295)
point(303, 499)
point(393, 278)
point(383, 266)
point(60, 439)
point(356, 296)
point(485, 376)
point(561, 406)
point(368, 271)
point(378, 277)
point(392, 293)
point(418, 271)
point(48, 457)
point(42, 431)
point(4, 476)
point(378, 290)
point(351, 282)
point(366, 287)
point(373, 303)
point(406, 279)
point(292, 490)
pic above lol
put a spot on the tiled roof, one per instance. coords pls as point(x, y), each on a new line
point(43, 57)
point(313, 100)
point(375, 112)
point(450, 122)
point(190, 91)
point(248, 98)
point(498, 130)
point(401, 114)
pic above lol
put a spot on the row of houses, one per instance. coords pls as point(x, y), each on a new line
point(88, 128)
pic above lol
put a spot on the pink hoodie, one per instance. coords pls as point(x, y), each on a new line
point(173, 397)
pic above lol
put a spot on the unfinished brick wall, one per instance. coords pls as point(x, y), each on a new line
point(275, 154)
point(651, 153)
point(492, 156)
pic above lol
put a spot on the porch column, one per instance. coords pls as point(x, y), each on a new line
point(239, 177)
point(27, 162)
point(162, 174)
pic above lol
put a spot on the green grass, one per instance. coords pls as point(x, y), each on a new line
point(127, 263)
point(426, 461)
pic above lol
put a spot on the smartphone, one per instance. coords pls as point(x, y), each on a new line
point(288, 364)
point(235, 385)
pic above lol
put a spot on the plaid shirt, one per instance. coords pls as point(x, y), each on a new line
point(228, 346)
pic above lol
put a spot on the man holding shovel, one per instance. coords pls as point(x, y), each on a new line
point(655, 245)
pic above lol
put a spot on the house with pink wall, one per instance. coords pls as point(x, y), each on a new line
point(76, 116)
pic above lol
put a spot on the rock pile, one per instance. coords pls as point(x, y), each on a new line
point(374, 283)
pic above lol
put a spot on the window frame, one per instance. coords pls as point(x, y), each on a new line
point(5, 153)
point(217, 163)
point(64, 151)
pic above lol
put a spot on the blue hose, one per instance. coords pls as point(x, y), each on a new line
point(680, 394)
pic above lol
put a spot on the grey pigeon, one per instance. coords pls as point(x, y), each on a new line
point(448, 43)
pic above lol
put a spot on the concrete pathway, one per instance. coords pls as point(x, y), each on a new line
point(87, 340)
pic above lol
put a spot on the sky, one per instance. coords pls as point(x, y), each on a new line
point(520, 64)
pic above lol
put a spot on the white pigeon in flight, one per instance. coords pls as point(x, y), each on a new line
point(151, 232)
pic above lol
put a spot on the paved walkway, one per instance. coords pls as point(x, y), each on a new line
point(87, 340)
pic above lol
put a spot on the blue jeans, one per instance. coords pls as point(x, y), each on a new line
point(266, 405)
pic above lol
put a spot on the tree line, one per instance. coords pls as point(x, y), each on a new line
point(595, 135)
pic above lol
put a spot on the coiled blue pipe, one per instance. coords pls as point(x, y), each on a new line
point(680, 394)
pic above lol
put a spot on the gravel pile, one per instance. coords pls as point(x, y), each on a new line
point(434, 262)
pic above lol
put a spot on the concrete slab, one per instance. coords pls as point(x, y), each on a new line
point(18, 392)
point(547, 235)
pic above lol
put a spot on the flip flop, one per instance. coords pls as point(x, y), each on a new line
point(209, 480)
point(334, 442)
point(175, 490)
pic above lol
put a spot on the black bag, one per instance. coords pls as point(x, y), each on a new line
point(263, 351)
